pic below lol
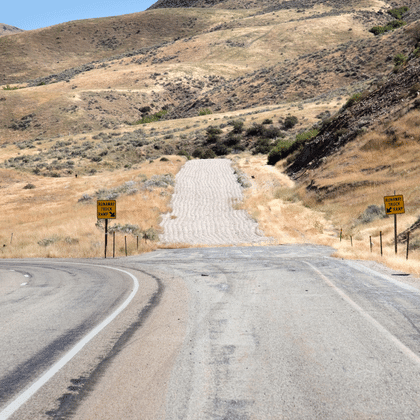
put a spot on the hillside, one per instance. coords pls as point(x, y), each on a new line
point(8, 29)
point(209, 78)
point(220, 59)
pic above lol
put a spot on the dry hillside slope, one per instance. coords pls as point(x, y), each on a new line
point(8, 29)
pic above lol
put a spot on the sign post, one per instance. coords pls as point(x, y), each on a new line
point(394, 204)
point(106, 209)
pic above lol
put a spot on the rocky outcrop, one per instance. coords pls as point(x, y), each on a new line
point(389, 98)
point(161, 4)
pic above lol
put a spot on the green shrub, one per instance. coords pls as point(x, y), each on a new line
point(220, 149)
point(238, 126)
point(398, 12)
point(232, 139)
point(202, 153)
point(395, 24)
point(280, 151)
point(184, 153)
point(285, 148)
point(205, 111)
point(272, 132)
point(289, 122)
point(267, 121)
point(152, 118)
point(255, 130)
point(377, 30)
point(400, 59)
point(208, 154)
point(262, 146)
point(259, 130)
point(307, 135)
point(213, 134)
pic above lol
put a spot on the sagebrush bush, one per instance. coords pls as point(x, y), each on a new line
point(232, 139)
point(213, 134)
point(289, 122)
point(398, 12)
point(238, 126)
point(205, 111)
point(262, 146)
point(220, 149)
point(400, 59)
point(255, 130)
point(152, 118)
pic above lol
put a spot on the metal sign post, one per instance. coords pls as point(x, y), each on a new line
point(106, 235)
point(106, 209)
point(394, 204)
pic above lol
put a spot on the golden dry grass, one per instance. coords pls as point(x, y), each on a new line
point(52, 211)
point(273, 202)
point(288, 213)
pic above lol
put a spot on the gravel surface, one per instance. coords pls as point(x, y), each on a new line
point(203, 212)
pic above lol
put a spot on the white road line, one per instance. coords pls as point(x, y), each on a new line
point(28, 393)
point(402, 347)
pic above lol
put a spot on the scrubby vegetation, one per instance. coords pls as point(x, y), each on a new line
point(152, 118)
point(398, 12)
point(286, 148)
point(205, 111)
point(395, 24)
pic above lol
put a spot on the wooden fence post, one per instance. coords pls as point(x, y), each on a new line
point(380, 240)
point(408, 244)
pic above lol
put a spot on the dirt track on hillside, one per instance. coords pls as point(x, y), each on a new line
point(203, 211)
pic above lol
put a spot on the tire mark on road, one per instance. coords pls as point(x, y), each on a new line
point(83, 386)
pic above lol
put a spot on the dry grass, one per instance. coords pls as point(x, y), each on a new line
point(272, 200)
point(288, 213)
point(52, 211)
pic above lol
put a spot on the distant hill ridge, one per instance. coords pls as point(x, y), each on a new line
point(8, 29)
point(161, 4)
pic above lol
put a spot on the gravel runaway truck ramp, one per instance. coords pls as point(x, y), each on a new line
point(202, 207)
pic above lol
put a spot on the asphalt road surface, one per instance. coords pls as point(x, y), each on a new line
point(279, 332)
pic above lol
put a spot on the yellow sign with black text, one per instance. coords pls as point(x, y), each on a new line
point(394, 204)
point(107, 209)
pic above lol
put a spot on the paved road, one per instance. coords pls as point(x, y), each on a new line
point(282, 332)
point(46, 308)
point(290, 333)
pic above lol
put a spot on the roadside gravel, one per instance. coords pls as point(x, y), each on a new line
point(202, 207)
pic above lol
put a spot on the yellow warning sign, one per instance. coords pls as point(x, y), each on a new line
point(107, 209)
point(394, 204)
